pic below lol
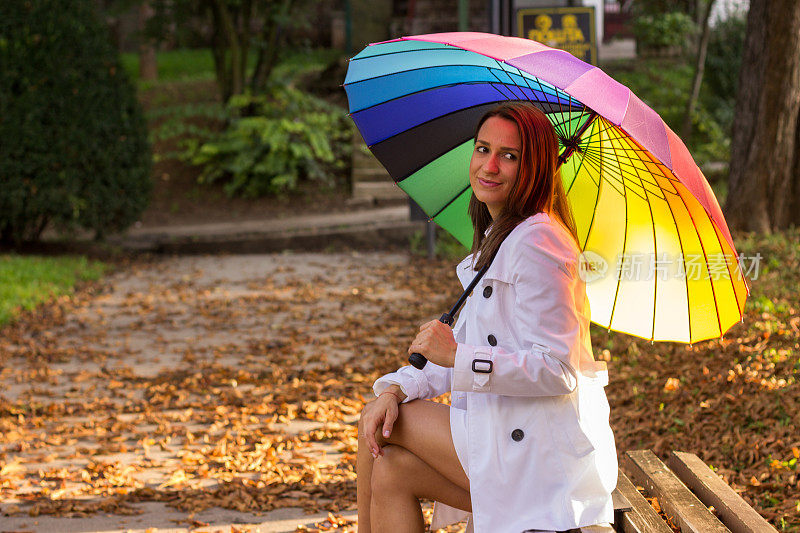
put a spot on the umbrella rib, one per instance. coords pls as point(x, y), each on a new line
point(596, 162)
point(683, 255)
point(412, 69)
point(705, 258)
point(596, 201)
point(437, 87)
point(507, 86)
point(622, 167)
point(580, 164)
point(453, 199)
point(730, 273)
point(655, 258)
point(541, 89)
point(568, 152)
point(446, 47)
point(627, 151)
point(624, 247)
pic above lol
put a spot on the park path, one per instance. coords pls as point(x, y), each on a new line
point(204, 393)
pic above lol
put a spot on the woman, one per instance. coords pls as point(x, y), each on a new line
point(526, 444)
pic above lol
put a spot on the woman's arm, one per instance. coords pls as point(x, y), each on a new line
point(431, 381)
point(547, 322)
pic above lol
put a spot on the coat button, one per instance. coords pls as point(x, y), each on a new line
point(492, 340)
point(517, 435)
point(487, 291)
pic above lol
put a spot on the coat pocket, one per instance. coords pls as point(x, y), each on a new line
point(565, 424)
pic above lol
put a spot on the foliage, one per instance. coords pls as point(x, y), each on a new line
point(184, 125)
point(447, 246)
point(237, 29)
point(222, 406)
point(725, 47)
point(27, 281)
point(659, 7)
point(273, 142)
point(664, 85)
point(183, 112)
point(74, 148)
point(659, 31)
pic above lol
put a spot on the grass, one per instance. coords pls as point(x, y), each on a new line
point(27, 281)
point(184, 64)
point(197, 64)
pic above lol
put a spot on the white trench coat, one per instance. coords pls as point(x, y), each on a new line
point(541, 453)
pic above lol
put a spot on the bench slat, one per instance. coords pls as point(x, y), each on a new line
point(675, 499)
point(642, 518)
point(621, 503)
point(712, 490)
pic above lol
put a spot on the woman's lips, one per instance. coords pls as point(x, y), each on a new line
point(489, 184)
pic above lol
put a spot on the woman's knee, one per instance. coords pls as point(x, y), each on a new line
point(391, 470)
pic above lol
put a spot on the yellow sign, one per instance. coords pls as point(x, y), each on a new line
point(567, 28)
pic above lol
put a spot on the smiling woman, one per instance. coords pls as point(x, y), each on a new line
point(526, 444)
point(494, 164)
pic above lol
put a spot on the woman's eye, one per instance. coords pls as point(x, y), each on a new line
point(481, 149)
point(510, 156)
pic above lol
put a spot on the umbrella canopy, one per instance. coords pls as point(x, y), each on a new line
point(642, 208)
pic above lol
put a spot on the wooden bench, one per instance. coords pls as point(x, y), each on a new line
point(684, 491)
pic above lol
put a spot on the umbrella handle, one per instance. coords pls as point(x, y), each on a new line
point(418, 360)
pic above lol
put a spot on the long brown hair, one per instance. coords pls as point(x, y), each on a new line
point(538, 187)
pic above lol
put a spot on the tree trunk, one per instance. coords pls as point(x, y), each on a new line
point(244, 41)
point(148, 68)
point(794, 186)
point(699, 69)
point(763, 181)
point(218, 47)
point(268, 49)
point(227, 30)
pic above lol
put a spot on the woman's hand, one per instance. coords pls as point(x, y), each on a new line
point(382, 411)
point(436, 342)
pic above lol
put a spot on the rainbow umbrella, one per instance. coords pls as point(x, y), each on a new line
point(658, 258)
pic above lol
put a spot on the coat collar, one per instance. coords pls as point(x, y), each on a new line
point(499, 269)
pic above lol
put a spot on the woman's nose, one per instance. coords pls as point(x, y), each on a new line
point(491, 164)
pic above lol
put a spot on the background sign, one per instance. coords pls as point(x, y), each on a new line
point(567, 28)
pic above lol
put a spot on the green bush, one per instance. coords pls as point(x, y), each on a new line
point(274, 142)
point(74, 149)
point(664, 85)
point(662, 31)
point(725, 48)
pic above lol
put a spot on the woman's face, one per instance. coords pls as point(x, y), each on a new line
point(495, 162)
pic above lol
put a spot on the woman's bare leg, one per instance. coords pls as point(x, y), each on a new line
point(418, 461)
